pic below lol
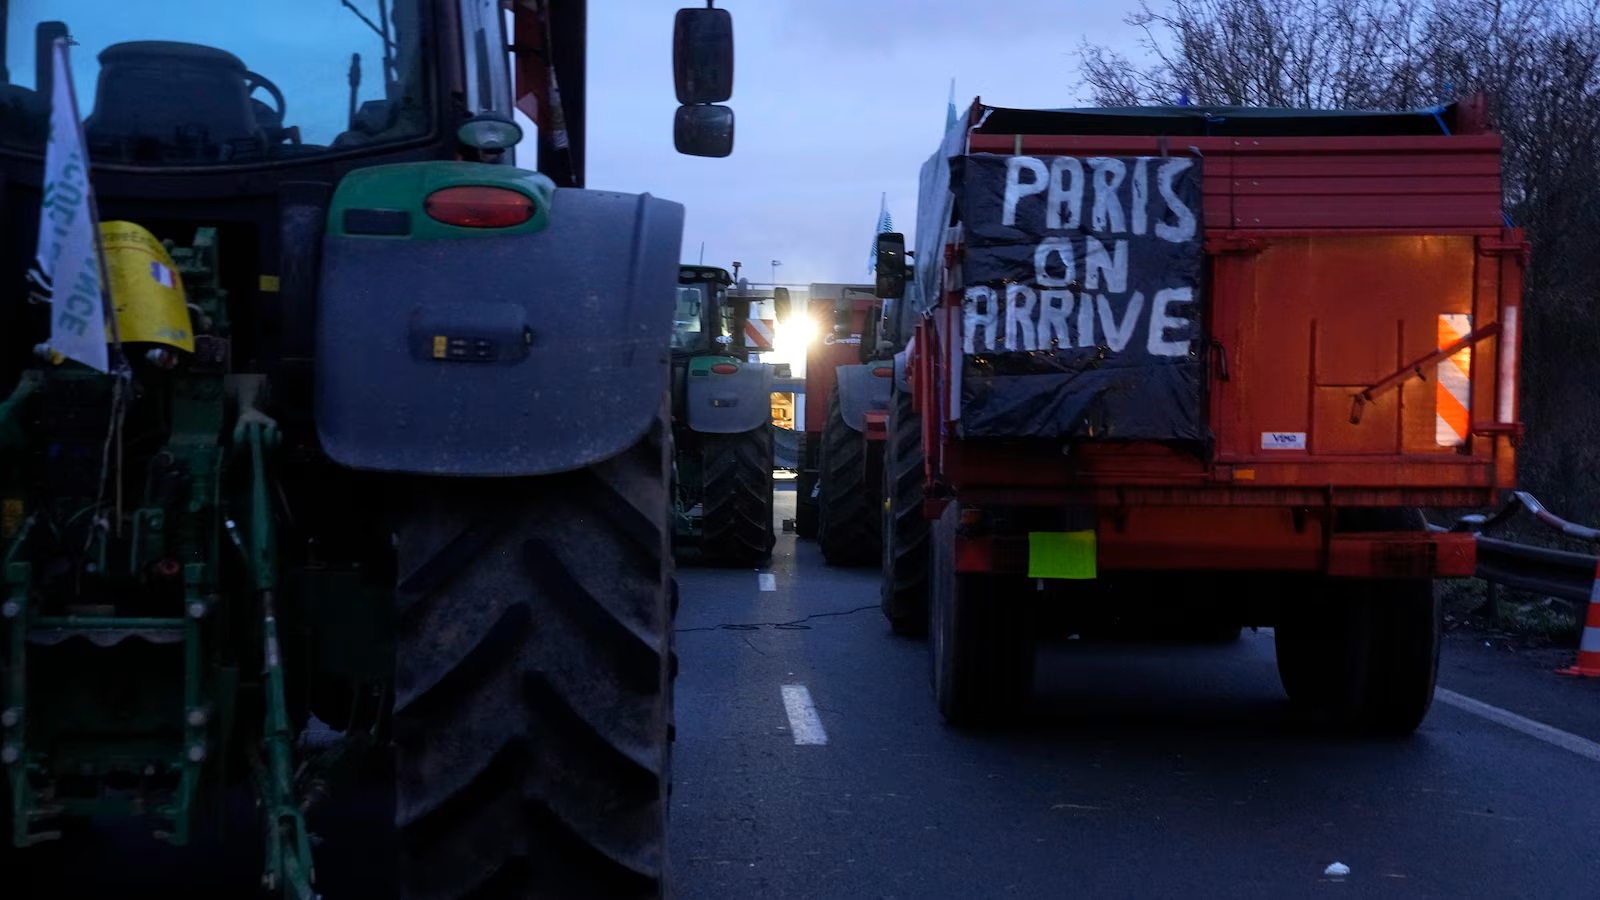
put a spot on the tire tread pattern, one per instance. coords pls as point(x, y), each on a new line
point(737, 528)
point(983, 647)
point(904, 583)
point(1366, 651)
point(848, 525)
point(533, 695)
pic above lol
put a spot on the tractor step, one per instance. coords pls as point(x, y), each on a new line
point(104, 630)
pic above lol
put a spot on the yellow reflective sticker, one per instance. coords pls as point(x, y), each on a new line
point(1061, 554)
point(269, 284)
point(439, 346)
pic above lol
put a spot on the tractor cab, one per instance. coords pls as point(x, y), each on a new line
point(178, 85)
point(702, 321)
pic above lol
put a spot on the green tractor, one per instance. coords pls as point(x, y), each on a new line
point(721, 423)
point(358, 461)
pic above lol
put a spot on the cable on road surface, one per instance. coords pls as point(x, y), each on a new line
point(795, 625)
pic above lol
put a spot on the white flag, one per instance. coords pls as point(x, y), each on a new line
point(68, 246)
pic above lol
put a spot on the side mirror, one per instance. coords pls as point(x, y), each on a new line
point(781, 305)
point(891, 265)
point(702, 55)
point(703, 131)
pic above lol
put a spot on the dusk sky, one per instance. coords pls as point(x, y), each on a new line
point(837, 101)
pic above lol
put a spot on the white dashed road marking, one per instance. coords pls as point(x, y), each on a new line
point(767, 581)
point(803, 721)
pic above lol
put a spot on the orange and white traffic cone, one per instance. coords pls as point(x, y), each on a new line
point(1588, 662)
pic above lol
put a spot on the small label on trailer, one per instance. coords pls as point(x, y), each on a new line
point(1283, 440)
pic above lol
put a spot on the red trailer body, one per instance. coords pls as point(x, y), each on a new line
point(1358, 294)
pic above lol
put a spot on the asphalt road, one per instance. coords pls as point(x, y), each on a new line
point(1143, 771)
point(811, 763)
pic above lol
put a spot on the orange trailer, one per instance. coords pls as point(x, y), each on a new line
point(1216, 358)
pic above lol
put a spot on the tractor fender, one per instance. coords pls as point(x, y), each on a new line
point(861, 392)
point(495, 354)
point(728, 404)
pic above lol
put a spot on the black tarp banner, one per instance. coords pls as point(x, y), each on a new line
point(1081, 304)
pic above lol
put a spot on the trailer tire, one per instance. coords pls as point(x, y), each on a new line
point(847, 523)
point(1366, 650)
point(904, 582)
point(1404, 631)
point(736, 529)
point(1309, 642)
point(533, 682)
point(983, 638)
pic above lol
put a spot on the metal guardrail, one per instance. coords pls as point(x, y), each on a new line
point(1554, 573)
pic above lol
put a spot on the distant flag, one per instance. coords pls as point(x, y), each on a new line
point(950, 111)
point(885, 225)
point(69, 250)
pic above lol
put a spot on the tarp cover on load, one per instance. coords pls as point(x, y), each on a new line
point(1081, 305)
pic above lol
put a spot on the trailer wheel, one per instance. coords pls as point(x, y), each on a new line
point(983, 637)
point(1366, 650)
point(904, 582)
point(736, 529)
point(533, 682)
point(1310, 639)
point(847, 524)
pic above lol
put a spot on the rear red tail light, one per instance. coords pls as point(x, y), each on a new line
point(884, 372)
point(724, 368)
point(475, 206)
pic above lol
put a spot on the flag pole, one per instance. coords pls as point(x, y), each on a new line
point(120, 371)
point(108, 308)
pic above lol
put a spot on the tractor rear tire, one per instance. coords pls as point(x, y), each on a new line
point(904, 583)
point(1366, 651)
point(736, 528)
point(983, 645)
point(848, 522)
point(533, 682)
